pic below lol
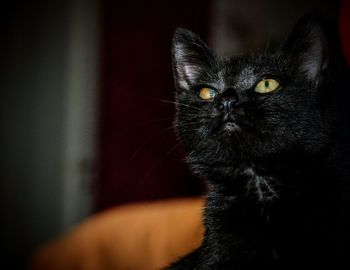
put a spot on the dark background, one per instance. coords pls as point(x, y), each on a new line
point(83, 124)
point(139, 155)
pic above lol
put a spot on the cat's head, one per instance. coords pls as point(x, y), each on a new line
point(256, 107)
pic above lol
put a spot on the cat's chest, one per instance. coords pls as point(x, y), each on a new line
point(254, 204)
point(269, 236)
point(246, 184)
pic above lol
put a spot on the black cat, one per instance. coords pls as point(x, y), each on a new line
point(262, 130)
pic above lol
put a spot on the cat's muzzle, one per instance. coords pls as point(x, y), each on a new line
point(230, 127)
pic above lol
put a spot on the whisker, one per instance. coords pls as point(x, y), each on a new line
point(150, 138)
point(189, 106)
point(156, 121)
point(175, 103)
point(160, 132)
point(158, 162)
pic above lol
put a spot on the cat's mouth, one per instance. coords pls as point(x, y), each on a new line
point(230, 127)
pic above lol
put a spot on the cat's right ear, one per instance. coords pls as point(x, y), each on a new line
point(307, 47)
point(191, 58)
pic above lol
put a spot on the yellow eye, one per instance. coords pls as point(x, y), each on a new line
point(266, 86)
point(207, 93)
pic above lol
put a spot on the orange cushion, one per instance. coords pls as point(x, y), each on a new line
point(143, 236)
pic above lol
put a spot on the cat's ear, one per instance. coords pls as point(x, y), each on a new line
point(307, 47)
point(191, 58)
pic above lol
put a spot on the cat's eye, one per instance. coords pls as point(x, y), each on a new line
point(266, 86)
point(207, 93)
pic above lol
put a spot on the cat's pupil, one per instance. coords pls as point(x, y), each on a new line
point(267, 84)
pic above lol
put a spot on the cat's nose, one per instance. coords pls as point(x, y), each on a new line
point(229, 99)
point(227, 105)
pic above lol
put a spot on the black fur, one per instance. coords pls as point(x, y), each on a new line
point(278, 196)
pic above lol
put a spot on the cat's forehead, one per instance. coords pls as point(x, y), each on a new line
point(242, 78)
point(242, 73)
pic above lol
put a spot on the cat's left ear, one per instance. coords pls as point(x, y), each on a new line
point(307, 47)
point(191, 58)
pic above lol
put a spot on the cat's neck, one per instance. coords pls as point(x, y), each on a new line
point(252, 195)
point(271, 180)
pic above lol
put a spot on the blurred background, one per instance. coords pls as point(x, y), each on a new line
point(85, 103)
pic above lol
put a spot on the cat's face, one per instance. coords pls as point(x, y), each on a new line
point(252, 108)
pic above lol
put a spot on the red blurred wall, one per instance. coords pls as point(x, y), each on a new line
point(139, 157)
